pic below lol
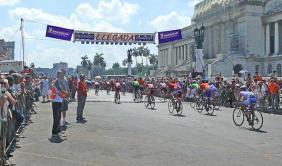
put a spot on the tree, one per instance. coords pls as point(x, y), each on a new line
point(116, 65)
point(124, 62)
point(84, 60)
point(146, 54)
point(153, 59)
point(99, 62)
point(135, 53)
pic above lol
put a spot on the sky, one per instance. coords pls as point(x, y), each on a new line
point(92, 15)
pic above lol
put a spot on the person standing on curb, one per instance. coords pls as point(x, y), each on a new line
point(65, 90)
point(81, 98)
point(57, 101)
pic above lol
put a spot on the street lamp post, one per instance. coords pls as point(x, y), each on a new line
point(199, 34)
point(129, 61)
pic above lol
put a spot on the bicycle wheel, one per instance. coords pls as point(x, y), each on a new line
point(193, 103)
point(257, 120)
point(179, 107)
point(146, 101)
point(209, 109)
point(216, 104)
point(238, 117)
point(118, 98)
point(152, 102)
point(199, 105)
point(170, 106)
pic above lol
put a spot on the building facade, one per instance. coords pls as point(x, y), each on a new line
point(8, 65)
point(60, 66)
point(239, 34)
point(7, 50)
point(174, 58)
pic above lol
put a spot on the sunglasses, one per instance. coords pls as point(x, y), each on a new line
point(3, 83)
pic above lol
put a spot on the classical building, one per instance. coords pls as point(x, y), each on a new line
point(6, 50)
point(175, 58)
point(240, 34)
point(8, 65)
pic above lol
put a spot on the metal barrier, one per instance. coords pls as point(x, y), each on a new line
point(11, 123)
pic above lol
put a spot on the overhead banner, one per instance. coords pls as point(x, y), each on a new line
point(59, 32)
point(106, 37)
point(169, 36)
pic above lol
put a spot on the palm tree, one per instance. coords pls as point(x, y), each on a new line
point(135, 53)
point(99, 61)
point(153, 60)
point(84, 61)
point(146, 54)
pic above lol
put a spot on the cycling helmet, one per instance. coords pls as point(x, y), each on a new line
point(243, 87)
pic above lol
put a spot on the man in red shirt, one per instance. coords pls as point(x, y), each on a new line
point(274, 88)
point(81, 98)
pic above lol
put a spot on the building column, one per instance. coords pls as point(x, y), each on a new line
point(276, 38)
point(267, 39)
point(211, 41)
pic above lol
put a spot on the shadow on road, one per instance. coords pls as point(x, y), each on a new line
point(251, 129)
point(210, 114)
point(178, 115)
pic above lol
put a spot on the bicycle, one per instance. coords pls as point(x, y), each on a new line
point(163, 95)
point(204, 103)
point(96, 91)
point(108, 90)
point(137, 96)
point(254, 117)
point(175, 104)
point(149, 100)
point(117, 97)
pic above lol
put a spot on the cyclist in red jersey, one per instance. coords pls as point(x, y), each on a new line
point(117, 87)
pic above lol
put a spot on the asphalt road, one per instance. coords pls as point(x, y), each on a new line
point(127, 134)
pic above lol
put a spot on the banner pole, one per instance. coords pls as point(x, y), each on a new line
point(22, 35)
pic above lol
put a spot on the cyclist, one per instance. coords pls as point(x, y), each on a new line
point(135, 85)
point(141, 84)
point(96, 86)
point(123, 86)
point(247, 99)
point(117, 88)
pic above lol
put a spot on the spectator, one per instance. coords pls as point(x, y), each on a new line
point(81, 98)
point(57, 101)
point(273, 88)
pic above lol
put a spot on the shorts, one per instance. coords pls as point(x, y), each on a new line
point(65, 105)
point(249, 101)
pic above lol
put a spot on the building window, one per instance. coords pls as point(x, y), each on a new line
point(257, 68)
point(269, 69)
point(279, 69)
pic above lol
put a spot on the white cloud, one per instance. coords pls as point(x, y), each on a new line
point(113, 10)
point(44, 56)
point(9, 33)
point(192, 3)
point(170, 21)
point(45, 53)
point(8, 2)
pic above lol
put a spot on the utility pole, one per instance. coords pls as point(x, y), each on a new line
point(22, 34)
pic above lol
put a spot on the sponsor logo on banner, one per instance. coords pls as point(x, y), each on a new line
point(114, 37)
point(84, 36)
point(150, 38)
point(59, 32)
point(169, 36)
